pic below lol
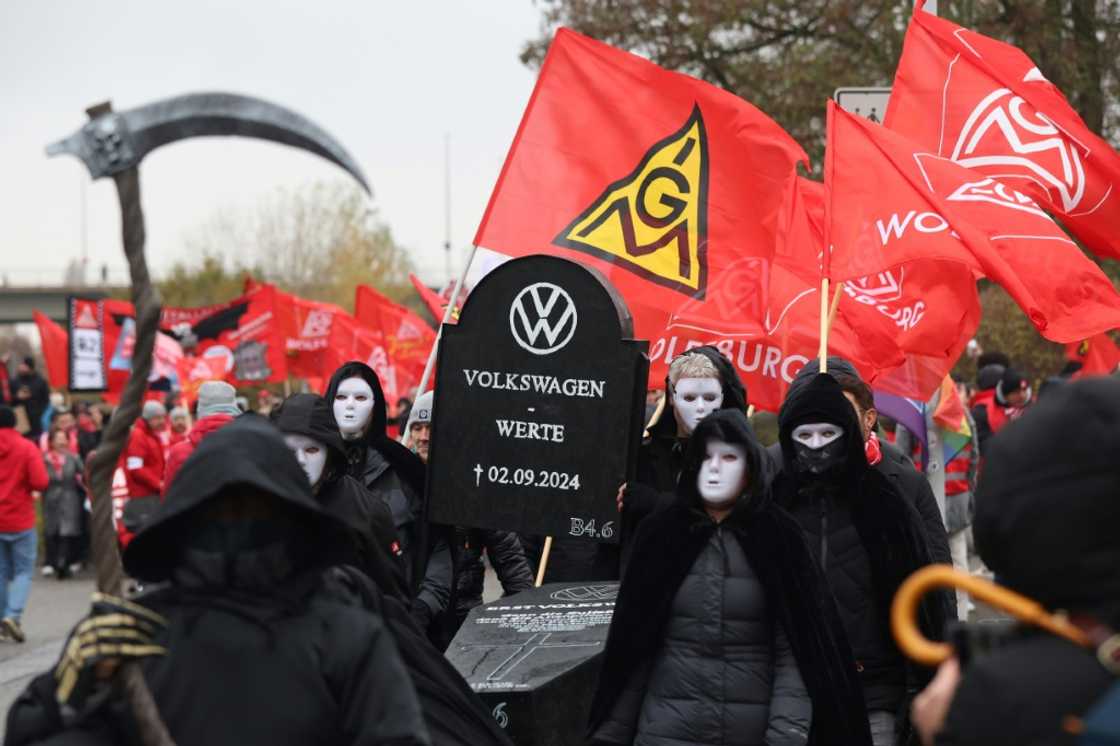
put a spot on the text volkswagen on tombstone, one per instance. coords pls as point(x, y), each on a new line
point(539, 399)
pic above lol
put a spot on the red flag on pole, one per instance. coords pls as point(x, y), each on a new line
point(672, 188)
point(435, 302)
point(1098, 356)
point(903, 327)
point(408, 339)
point(893, 203)
point(986, 105)
point(56, 352)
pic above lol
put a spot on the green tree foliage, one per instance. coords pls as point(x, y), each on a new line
point(318, 242)
point(206, 283)
point(788, 56)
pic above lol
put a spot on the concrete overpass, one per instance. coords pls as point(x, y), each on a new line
point(17, 303)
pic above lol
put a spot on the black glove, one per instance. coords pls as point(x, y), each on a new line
point(116, 631)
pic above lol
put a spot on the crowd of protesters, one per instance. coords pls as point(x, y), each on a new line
point(756, 582)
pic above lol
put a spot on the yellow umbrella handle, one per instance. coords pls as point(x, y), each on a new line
point(904, 611)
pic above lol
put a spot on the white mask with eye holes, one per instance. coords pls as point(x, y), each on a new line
point(818, 446)
point(693, 400)
point(723, 473)
point(311, 455)
point(353, 407)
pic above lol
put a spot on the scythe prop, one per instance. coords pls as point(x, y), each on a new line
point(113, 144)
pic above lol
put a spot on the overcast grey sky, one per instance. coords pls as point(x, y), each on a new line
point(387, 79)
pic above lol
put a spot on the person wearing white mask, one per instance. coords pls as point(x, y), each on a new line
point(865, 536)
point(395, 475)
point(700, 382)
point(312, 435)
point(723, 631)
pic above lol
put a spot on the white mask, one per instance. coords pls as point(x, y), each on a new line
point(723, 473)
point(693, 400)
point(353, 405)
point(816, 435)
point(311, 455)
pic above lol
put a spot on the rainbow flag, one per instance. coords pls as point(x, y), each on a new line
point(949, 416)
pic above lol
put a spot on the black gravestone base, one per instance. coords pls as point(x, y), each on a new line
point(534, 659)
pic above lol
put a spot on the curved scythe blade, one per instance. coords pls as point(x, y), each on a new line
point(115, 141)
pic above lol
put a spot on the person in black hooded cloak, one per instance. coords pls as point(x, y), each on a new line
point(258, 648)
point(1047, 509)
point(699, 382)
point(724, 630)
point(866, 537)
point(882, 455)
point(395, 475)
point(310, 431)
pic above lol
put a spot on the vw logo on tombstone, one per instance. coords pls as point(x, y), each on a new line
point(543, 318)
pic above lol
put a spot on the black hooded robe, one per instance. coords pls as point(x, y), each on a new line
point(867, 538)
point(661, 456)
point(894, 465)
point(282, 664)
point(1047, 509)
point(664, 550)
point(343, 496)
point(396, 475)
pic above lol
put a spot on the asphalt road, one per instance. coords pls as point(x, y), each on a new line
point(52, 609)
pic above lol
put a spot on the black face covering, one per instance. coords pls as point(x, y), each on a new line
point(817, 462)
point(248, 555)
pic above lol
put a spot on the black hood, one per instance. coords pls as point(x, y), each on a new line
point(312, 416)
point(734, 392)
point(248, 451)
point(378, 419)
point(820, 399)
point(836, 364)
point(728, 426)
point(407, 464)
point(1048, 504)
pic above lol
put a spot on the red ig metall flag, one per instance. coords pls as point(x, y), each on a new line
point(986, 105)
point(903, 327)
point(890, 203)
point(672, 188)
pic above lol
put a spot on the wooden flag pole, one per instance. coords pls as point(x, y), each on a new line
point(657, 412)
point(544, 560)
point(835, 305)
point(824, 325)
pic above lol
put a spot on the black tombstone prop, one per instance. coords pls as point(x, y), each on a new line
point(534, 659)
point(538, 406)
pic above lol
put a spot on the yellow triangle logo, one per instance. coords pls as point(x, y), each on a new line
point(654, 221)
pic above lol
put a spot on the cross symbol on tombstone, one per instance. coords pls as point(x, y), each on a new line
point(536, 641)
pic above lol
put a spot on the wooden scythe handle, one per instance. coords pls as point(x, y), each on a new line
point(110, 574)
point(904, 611)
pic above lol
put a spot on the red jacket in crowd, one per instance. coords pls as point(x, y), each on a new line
point(182, 450)
point(21, 471)
point(143, 461)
